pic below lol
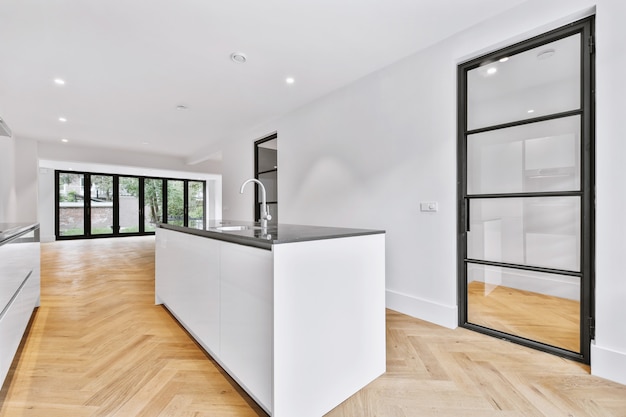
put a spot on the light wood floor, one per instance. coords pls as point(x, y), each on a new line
point(547, 319)
point(98, 346)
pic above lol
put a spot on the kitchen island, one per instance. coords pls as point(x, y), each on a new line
point(19, 286)
point(295, 314)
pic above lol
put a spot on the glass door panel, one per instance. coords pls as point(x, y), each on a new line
point(540, 81)
point(534, 157)
point(533, 231)
point(153, 203)
point(101, 202)
point(267, 157)
point(176, 202)
point(195, 204)
point(269, 180)
point(71, 204)
point(128, 200)
point(510, 300)
point(526, 192)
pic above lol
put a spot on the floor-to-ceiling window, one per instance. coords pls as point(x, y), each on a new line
point(129, 204)
point(526, 192)
point(101, 205)
point(70, 198)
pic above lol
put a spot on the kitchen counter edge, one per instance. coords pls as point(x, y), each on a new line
point(10, 231)
point(292, 234)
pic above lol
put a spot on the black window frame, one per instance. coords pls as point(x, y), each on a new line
point(116, 218)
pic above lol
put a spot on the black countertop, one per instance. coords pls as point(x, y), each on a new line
point(9, 231)
point(253, 235)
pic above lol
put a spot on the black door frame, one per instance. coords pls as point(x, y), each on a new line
point(587, 191)
point(140, 195)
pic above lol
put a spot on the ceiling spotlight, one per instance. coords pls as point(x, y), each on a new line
point(290, 80)
point(492, 70)
point(62, 119)
point(59, 81)
point(531, 111)
point(504, 59)
point(238, 57)
point(65, 140)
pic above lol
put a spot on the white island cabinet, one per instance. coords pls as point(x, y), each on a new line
point(295, 314)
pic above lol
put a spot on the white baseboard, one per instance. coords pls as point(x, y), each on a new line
point(608, 364)
point(443, 315)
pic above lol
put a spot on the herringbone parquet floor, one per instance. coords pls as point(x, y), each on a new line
point(98, 346)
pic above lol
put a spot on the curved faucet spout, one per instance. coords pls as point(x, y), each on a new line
point(265, 216)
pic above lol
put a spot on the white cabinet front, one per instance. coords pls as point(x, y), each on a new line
point(246, 321)
point(188, 283)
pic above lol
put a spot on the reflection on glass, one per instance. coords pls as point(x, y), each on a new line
point(129, 204)
point(534, 305)
point(195, 203)
point(101, 204)
point(267, 156)
point(540, 81)
point(153, 203)
point(175, 202)
point(536, 157)
point(538, 231)
point(273, 210)
point(269, 180)
point(71, 204)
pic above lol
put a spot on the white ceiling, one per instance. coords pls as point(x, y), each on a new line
point(129, 63)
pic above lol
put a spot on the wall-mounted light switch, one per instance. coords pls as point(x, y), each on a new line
point(429, 206)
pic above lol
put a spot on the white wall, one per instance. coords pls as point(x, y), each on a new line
point(608, 356)
point(86, 155)
point(368, 154)
point(7, 179)
point(18, 180)
point(26, 181)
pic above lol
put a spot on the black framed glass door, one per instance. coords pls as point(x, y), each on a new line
point(266, 171)
point(70, 201)
point(105, 205)
point(526, 192)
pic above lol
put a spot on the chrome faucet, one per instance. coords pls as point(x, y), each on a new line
point(265, 215)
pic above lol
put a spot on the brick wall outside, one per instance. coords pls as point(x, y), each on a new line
point(72, 217)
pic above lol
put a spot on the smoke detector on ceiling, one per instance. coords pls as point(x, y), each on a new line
point(4, 129)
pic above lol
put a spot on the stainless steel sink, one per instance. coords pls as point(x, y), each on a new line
point(236, 228)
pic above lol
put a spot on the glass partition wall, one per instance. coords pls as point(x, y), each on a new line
point(526, 192)
point(106, 205)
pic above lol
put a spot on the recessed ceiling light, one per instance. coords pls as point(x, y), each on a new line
point(181, 107)
point(506, 58)
point(62, 119)
point(492, 70)
point(145, 143)
point(65, 140)
point(290, 80)
point(59, 81)
point(238, 57)
point(531, 111)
